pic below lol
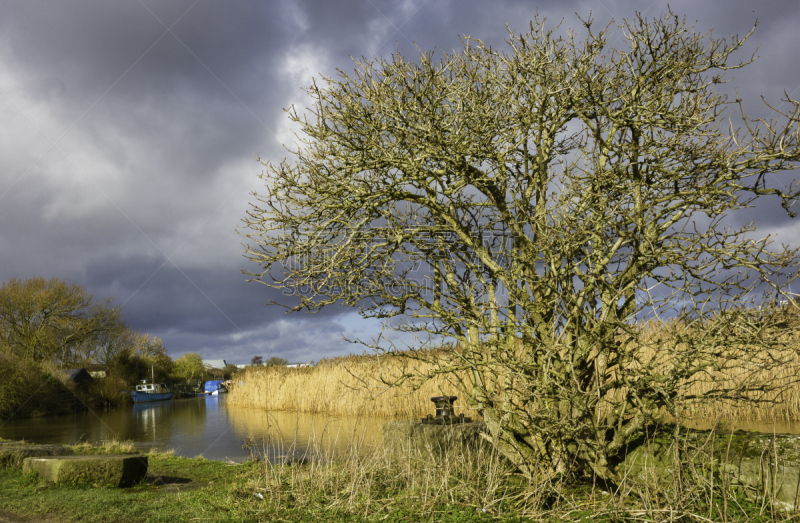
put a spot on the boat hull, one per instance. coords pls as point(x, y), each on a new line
point(144, 397)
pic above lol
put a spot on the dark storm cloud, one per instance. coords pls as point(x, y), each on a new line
point(130, 129)
point(86, 47)
point(193, 95)
point(209, 303)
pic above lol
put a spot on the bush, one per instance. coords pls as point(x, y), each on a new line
point(29, 390)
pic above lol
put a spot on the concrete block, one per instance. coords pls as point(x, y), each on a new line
point(13, 453)
point(777, 480)
point(655, 466)
point(407, 437)
point(115, 470)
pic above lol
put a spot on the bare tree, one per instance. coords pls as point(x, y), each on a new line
point(111, 343)
point(41, 318)
point(538, 206)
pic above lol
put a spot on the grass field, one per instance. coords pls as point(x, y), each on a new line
point(370, 486)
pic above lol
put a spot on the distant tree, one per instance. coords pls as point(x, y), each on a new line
point(215, 374)
point(106, 346)
point(257, 360)
point(190, 367)
point(275, 361)
point(229, 370)
point(42, 319)
point(150, 348)
point(128, 366)
point(154, 354)
point(103, 348)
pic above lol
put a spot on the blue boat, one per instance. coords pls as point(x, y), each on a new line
point(151, 392)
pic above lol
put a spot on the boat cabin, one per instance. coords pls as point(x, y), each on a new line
point(152, 388)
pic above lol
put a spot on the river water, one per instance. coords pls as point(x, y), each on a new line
point(204, 426)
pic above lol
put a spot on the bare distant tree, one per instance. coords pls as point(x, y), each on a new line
point(49, 318)
point(257, 360)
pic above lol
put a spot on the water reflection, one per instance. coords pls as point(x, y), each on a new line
point(292, 435)
point(164, 423)
point(207, 426)
point(202, 426)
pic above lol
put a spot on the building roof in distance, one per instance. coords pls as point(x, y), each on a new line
point(214, 364)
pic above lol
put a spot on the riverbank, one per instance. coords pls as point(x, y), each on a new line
point(466, 485)
point(30, 389)
point(185, 489)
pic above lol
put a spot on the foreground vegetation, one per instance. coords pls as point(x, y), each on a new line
point(370, 485)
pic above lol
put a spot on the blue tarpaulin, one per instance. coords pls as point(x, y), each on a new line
point(212, 385)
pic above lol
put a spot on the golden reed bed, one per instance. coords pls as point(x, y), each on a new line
point(349, 386)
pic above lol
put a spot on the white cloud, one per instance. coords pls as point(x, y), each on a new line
point(300, 65)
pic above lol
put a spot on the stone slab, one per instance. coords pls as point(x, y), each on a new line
point(114, 470)
point(13, 453)
point(779, 480)
point(409, 437)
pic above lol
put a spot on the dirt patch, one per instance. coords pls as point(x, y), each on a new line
point(171, 484)
point(8, 517)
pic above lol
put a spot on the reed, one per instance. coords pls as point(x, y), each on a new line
point(109, 446)
point(347, 386)
point(365, 480)
point(780, 402)
point(352, 386)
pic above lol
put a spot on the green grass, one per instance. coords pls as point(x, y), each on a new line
point(217, 492)
point(183, 489)
point(195, 490)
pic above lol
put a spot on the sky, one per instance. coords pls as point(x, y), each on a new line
point(130, 133)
